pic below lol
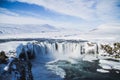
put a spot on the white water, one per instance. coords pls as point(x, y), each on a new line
point(63, 50)
point(58, 50)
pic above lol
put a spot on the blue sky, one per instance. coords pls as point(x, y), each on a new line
point(74, 14)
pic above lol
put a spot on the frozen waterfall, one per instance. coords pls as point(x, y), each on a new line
point(58, 50)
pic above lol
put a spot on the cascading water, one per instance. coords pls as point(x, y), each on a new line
point(61, 50)
point(58, 50)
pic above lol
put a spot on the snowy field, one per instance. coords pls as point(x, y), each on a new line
point(107, 32)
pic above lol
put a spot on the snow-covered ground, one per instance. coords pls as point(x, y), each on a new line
point(107, 32)
point(104, 34)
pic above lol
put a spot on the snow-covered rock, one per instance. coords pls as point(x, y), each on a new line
point(102, 71)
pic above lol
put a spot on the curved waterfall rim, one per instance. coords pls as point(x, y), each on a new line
point(42, 40)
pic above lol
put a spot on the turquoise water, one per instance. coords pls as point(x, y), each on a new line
point(84, 70)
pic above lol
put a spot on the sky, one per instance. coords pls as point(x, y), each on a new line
point(71, 14)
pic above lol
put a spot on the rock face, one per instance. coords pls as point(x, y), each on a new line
point(113, 49)
point(3, 57)
point(25, 51)
point(18, 68)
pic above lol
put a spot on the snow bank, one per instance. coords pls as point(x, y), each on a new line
point(102, 71)
point(105, 64)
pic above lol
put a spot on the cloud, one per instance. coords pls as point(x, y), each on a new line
point(30, 20)
point(19, 20)
point(78, 8)
point(87, 13)
point(108, 10)
point(6, 11)
point(7, 16)
point(101, 10)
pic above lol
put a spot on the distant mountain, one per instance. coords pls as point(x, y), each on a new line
point(108, 29)
point(26, 28)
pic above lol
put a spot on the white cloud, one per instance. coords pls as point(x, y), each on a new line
point(92, 10)
point(7, 16)
point(18, 20)
point(86, 9)
point(107, 10)
point(6, 11)
point(30, 20)
point(77, 8)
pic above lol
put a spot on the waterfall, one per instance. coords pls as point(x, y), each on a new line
point(60, 50)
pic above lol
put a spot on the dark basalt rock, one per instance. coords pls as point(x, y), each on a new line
point(3, 57)
point(15, 68)
point(115, 49)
